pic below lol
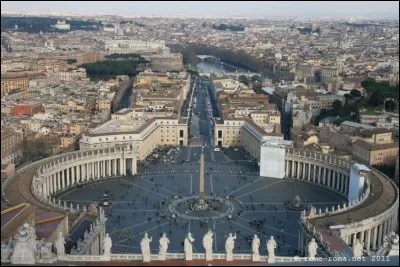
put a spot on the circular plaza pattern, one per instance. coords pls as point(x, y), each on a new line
point(160, 199)
point(218, 208)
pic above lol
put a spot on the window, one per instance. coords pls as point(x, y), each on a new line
point(181, 133)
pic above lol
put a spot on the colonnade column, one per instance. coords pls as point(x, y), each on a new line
point(97, 169)
point(303, 176)
point(292, 174)
point(287, 168)
point(78, 173)
point(374, 238)
point(90, 169)
point(319, 174)
point(341, 183)
point(62, 179)
point(44, 190)
point(367, 244)
point(109, 167)
point(51, 184)
point(73, 175)
point(116, 173)
point(362, 236)
point(68, 176)
point(58, 181)
point(298, 170)
point(123, 166)
point(380, 235)
point(84, 172)
point(315, 173)
point(385, 228)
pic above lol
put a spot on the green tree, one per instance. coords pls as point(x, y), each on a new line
point(337, 106)
point(243, 79)
point(355, 93)
point(376, 99)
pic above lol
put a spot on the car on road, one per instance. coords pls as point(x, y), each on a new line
point(217, 149)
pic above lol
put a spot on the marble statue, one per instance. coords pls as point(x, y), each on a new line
point(93, 209)
point(32, 243)
point(107, 244)
point(102, 214)
point(79, 244)
point(164, 242)
point(45, 251)
point(312, 248)
point(60, 244)
point(271, 246)
point(188, 247)
point(394, 245)
point(6, 252)
point(208, 244)
point(358, 249)
point(23, 253)
point(255, 245)
point(145, 247)
point(229, 245)
point(85, 235)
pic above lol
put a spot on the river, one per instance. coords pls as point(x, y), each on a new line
point(217, 67)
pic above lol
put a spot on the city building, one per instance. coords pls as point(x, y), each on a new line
point(27, 109)
point(11, 145)
point(62, 25)
point(375, 153)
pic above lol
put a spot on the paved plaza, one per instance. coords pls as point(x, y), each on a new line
point(135, 202)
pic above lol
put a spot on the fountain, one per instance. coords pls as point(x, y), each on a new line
point(105, 201)
point(295, 204)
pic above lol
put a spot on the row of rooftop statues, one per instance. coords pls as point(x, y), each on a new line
point(208, 246)
point(27, 250)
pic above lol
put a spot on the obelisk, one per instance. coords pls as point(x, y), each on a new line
point(201, 195)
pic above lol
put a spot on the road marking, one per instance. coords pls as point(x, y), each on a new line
point(240, 188)
point(215, 234)
point(160, 186)
point(328, 191)
point(132, 226)
point(258, 189)
point(132, 210)
point(191, 184)
point(148, 230)
point(212, 190)
point(144, 188)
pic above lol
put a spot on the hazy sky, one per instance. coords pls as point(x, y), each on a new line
point(210, 8)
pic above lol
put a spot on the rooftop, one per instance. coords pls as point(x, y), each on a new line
point(383, 194)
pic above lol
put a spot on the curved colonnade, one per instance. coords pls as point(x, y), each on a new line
point(370, 218)
point(58, 173)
